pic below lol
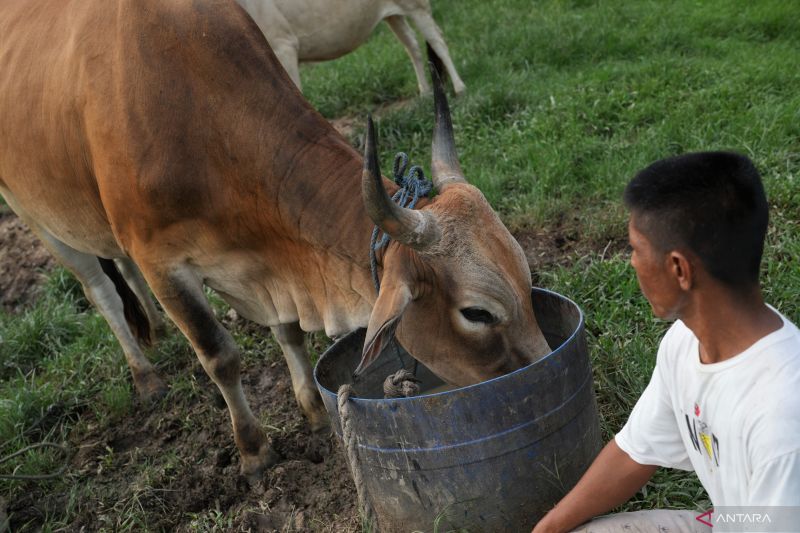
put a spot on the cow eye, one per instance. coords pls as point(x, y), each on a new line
point(476, 314)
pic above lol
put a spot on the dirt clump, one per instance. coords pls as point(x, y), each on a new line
point(24, 263)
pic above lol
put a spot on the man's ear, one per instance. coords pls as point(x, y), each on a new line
point(386, 315)
point(683, 269)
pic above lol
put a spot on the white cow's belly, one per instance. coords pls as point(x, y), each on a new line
point(327, 29)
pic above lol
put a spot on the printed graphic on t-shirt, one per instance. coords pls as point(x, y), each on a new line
point(703, 439)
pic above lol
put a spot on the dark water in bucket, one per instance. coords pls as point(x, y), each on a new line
point(495, 456)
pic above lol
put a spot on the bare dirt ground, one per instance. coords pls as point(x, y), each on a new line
point(24, 262)
point(347, 125)
point(176, 459)
point(162, 465)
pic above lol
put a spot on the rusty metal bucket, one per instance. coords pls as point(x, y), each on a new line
point(495, 456)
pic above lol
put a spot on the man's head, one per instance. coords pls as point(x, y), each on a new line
point(707, 209)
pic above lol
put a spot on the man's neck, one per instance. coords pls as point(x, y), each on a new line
point(726, 324)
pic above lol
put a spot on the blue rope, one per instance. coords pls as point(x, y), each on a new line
point(413, 186)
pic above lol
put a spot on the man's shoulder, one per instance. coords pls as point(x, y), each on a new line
point(676, 343)
point(779, 352)
point(678, 331)
point(789, 332)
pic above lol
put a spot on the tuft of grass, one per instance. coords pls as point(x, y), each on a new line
point(211, 520)
point(41, 334)
point(63, 286)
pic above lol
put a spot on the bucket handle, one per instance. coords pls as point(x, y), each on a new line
point(342, 400)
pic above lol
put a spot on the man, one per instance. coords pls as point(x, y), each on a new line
point(724, 398)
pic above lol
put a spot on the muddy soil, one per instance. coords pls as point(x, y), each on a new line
point(173, 466)
point(24, 262)
point(168, 460)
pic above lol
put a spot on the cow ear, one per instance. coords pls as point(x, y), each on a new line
point(392, 302)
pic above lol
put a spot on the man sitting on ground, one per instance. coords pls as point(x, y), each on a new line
point(724, 398)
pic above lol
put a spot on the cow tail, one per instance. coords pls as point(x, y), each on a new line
point(132, 307)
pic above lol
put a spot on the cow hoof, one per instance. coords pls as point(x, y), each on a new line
point(320, 423)
point(150, 387)
point(254, 466)
point(312, 406)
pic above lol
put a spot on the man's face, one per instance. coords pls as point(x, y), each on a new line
point(655, 274)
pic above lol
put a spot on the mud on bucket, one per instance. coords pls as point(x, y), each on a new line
point(494, 456)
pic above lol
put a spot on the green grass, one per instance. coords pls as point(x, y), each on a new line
point(565, 101)
point(54, 362)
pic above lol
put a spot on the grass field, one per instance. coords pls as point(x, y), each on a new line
point(565, 101)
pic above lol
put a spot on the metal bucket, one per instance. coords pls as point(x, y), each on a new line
point(494, 456)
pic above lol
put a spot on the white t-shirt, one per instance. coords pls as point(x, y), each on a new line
point(735, 423)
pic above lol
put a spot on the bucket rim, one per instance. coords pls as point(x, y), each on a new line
point(489, 382)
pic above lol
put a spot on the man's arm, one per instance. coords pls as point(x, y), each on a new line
point(611, 480)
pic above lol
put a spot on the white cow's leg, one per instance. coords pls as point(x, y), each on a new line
point(427, 26)
point(181, 296)
point(278, 32)
point(137, 283)
point(292, 341)
point(407, 36)
point(287, 55)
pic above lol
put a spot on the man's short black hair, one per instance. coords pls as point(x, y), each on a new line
point(711, 203)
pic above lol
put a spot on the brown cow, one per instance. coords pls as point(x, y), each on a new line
point(166, 136)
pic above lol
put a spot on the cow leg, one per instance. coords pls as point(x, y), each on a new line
point(100, 290)
point(292, 341)
point(407, 36)
point(430, 30)
point(279, 33)
point(137, 283)
point(181, 295)
point(287, 55)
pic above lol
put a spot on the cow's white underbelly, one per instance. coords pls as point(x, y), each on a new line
point(335, 304)
point(327, 29)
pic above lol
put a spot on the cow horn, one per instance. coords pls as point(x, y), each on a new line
point(444, 164)
point(413, 228)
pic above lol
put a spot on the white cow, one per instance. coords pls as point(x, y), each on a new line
point(319, 30)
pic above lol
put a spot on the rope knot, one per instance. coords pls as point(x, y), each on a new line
point(401, 384)
point(413, 181)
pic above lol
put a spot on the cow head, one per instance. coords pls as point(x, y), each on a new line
point(456, 285)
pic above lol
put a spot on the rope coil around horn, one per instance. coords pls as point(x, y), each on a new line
point(413, 186)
